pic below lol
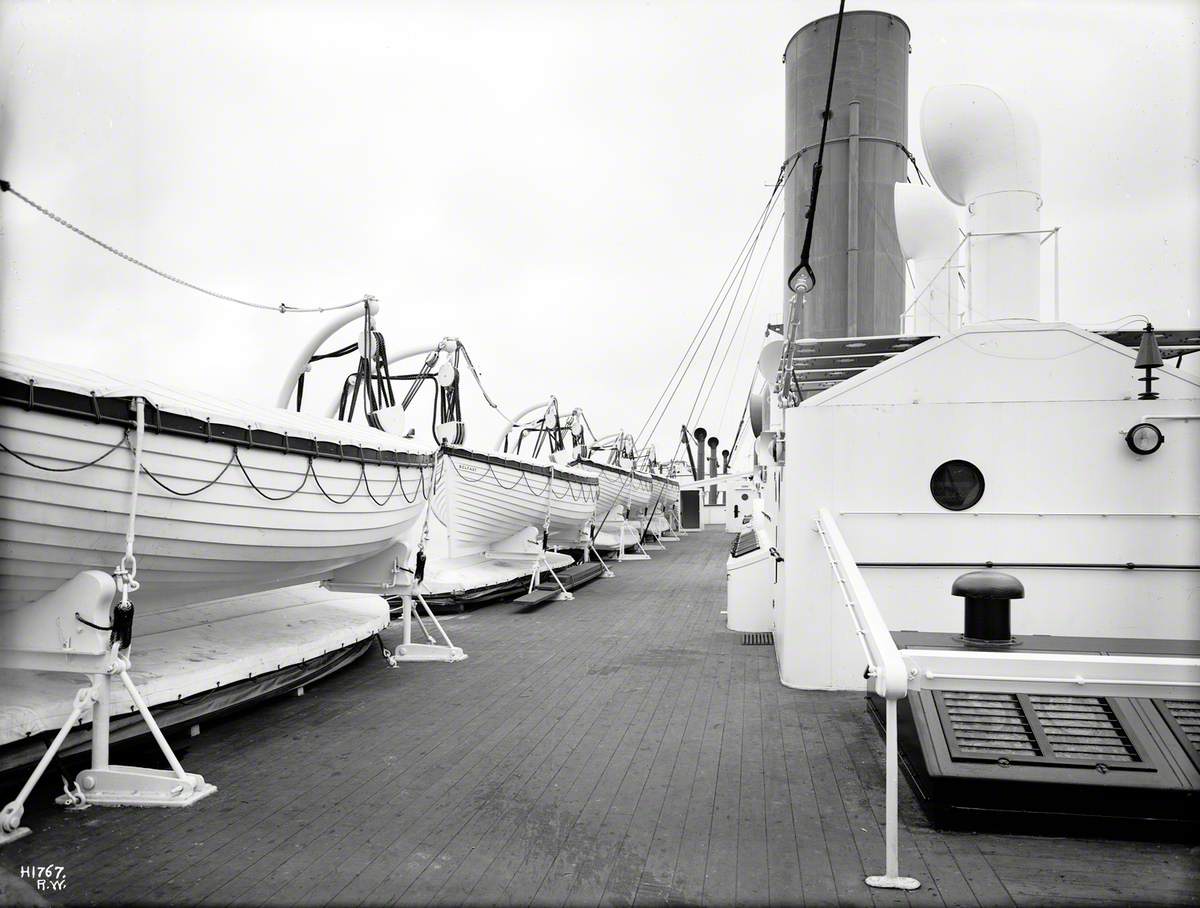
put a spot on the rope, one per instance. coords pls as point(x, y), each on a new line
point(126, 570)
point(6, 186)
point(208, 485)
point(303, 481)
point(310, 470)
point(523, 477)
point(395, 482)
point(90, 463)
point(479, 381)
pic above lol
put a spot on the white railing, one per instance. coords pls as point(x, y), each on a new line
point(1091, 674)
point(884, 663)
point(890, 674)
point(895, 672)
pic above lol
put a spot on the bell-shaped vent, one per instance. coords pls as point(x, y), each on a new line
point(1149, 356)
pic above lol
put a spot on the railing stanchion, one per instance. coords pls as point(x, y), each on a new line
point(890, 681)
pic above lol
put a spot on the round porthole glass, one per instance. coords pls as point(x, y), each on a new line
point(956, 485)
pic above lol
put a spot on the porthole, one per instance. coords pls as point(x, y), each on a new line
point(956, 485)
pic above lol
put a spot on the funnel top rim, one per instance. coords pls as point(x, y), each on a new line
point(848, 13)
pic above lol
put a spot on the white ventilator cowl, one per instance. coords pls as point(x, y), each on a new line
point(984, 152)
point(927, 226)
point(769, 358)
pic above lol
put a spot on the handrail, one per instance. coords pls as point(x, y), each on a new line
point(884, 663)
point(891, 683)
point(1095, 674)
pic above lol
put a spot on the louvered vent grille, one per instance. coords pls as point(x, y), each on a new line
point(1183, 718)
point(1083, 728)
point(1038, 728)
point(1187, 715)
point(759, 639)
point(744, 544)
point(989, 723)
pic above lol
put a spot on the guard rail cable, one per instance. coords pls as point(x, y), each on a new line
point(283, 308)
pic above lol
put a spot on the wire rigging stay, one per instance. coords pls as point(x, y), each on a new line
point(746, 307)
point(731, 279)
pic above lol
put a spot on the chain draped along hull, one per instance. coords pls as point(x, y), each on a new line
point(226, 539)
point(485, 498)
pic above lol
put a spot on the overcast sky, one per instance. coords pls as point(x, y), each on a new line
point(561, 184)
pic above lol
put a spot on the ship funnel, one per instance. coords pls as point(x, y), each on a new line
point(860, 287)
point(929, 236)
point(985, 153)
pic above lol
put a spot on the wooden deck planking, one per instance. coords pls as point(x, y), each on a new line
point(387, 797)
point(267, 775)
point(313, 868)
point(656, 878)
point(622, 884)
point(784, 876)
point(612, 820)
point(622, 747)
point(383, 870)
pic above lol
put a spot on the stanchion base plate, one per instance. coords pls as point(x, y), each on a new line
point(428, 652)
point(136, 786)
point(893, 882)
point(7, 838)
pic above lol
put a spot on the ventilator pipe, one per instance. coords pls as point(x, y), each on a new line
point(984, 152)
point(516, 420)
point(371, 307)
point(713, 443)
point(700, 435)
